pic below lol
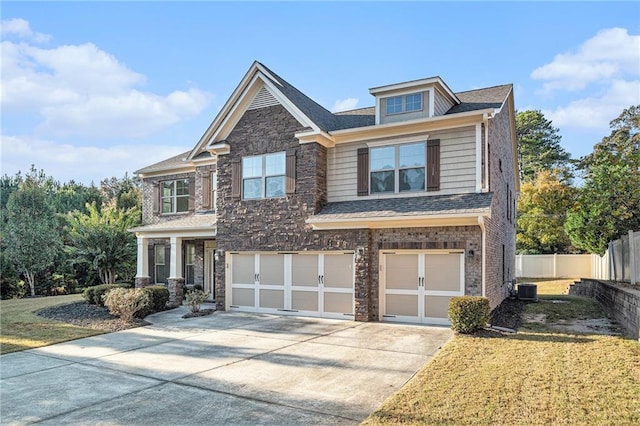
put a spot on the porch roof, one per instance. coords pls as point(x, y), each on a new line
point(200, 224)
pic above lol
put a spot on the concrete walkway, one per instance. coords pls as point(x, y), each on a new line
point(226, 368)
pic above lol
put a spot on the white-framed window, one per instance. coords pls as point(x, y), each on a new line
point(398, 168)
point(263, 176)
point(174, 196)
point(214, 190)
point(406, 103)
point(189, 263)
point(160, 264)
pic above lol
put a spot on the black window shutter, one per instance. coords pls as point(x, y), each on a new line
point(433, 165)
point(363, 171)
point(236, 178)
point(290, 177)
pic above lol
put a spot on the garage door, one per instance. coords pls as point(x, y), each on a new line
point(417, 286)
point(312, 284)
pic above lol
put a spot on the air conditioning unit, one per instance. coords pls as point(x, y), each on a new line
point(528, 292)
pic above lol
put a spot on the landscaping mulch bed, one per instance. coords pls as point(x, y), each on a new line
point(508, 314)
point(85, 315)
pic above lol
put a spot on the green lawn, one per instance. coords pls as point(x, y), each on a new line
point(536, 376)
point(21, 328)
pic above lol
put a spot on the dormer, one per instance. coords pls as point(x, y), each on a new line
point(429, 97)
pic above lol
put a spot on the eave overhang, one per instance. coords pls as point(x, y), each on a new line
point(462, 219)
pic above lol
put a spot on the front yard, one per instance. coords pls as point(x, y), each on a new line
point(21, 328)
point(538, 376)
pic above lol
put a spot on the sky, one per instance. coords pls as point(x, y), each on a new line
point(91, 90)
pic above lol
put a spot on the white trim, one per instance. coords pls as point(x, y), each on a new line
point(478, 157)
point(432, 101)
point(182, 233)
point(397, 141)
point(415, 84)
point(460, 219)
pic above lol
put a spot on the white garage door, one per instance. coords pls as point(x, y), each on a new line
point(417, 286)
point(312, 284)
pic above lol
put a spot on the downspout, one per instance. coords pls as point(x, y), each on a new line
point(484, 254)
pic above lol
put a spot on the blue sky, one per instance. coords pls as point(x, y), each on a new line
point(92, 90)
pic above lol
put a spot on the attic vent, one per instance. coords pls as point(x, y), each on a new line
point(263, 99)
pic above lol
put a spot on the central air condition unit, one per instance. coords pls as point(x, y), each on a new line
point(528, 292)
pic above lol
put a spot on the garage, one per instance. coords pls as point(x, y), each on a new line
point(310, 284)
point(416, 286)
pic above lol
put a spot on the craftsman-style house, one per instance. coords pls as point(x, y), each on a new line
point(380, 213)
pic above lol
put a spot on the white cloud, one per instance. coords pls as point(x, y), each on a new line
point(80, 90)
point(20, 28)
point(611, 53)
point(596, 112)
point(345, 104)
point(81, 163)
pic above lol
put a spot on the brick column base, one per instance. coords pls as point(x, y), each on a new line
point(176, 291)
point(142, 282)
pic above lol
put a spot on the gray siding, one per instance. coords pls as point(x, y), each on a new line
point(457, 169)
point(394, 118)
point(440, 104)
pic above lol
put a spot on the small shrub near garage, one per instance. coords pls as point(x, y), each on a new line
point(158, 298)
point(126, 302)
point(468, 313)
point(94, 295)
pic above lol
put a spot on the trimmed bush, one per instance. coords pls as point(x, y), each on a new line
point(126, 302)
point(195, 298)
point(468, 313)
point(94, 295)
point(158, 298)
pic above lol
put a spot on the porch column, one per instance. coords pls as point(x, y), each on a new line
point(175, 282)
point(142, 275)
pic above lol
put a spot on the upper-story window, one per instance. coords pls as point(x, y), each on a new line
point(263, 176)
point(406, 103)
point(175, 196)
point(399, 168)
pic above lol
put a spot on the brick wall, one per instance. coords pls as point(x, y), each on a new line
point(621, 303)
point(501, 227)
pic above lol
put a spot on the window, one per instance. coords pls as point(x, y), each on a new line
point(399, 168)
point(263, 176)
point(159, 260)
point(175, 196)
point(407, 103)
point(214, 190)
point(189, 263)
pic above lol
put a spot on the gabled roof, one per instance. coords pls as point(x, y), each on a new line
point(169, 163)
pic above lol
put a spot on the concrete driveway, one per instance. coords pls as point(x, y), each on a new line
point(227, 368)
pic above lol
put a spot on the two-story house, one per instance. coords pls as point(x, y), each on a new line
point(381, 213)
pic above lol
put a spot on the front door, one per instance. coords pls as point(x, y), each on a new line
point(210, 272)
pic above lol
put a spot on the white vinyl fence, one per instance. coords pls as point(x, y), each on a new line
point(621, 262)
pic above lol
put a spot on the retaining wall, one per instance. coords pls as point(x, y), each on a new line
point(623, 304)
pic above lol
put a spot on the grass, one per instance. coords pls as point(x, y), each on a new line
point(21, 328)
point(536, 376)
point(550, 285)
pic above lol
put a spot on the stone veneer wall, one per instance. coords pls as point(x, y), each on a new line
point(501, 227)
point(621, 303)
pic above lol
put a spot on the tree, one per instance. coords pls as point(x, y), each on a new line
point(32, 239)
point(539, 146)
point(542, 208)
point(101, 240)
point(609, 203)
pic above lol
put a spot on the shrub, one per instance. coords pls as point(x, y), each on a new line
point(125, 302)
point(468, 313)
point(198, 287)
point(94, 295)
point(158, 298)
point(195, 298)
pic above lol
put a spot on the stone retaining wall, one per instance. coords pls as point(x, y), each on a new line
point(623, 304)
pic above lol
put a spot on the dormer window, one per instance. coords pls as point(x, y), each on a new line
point(406, 103)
